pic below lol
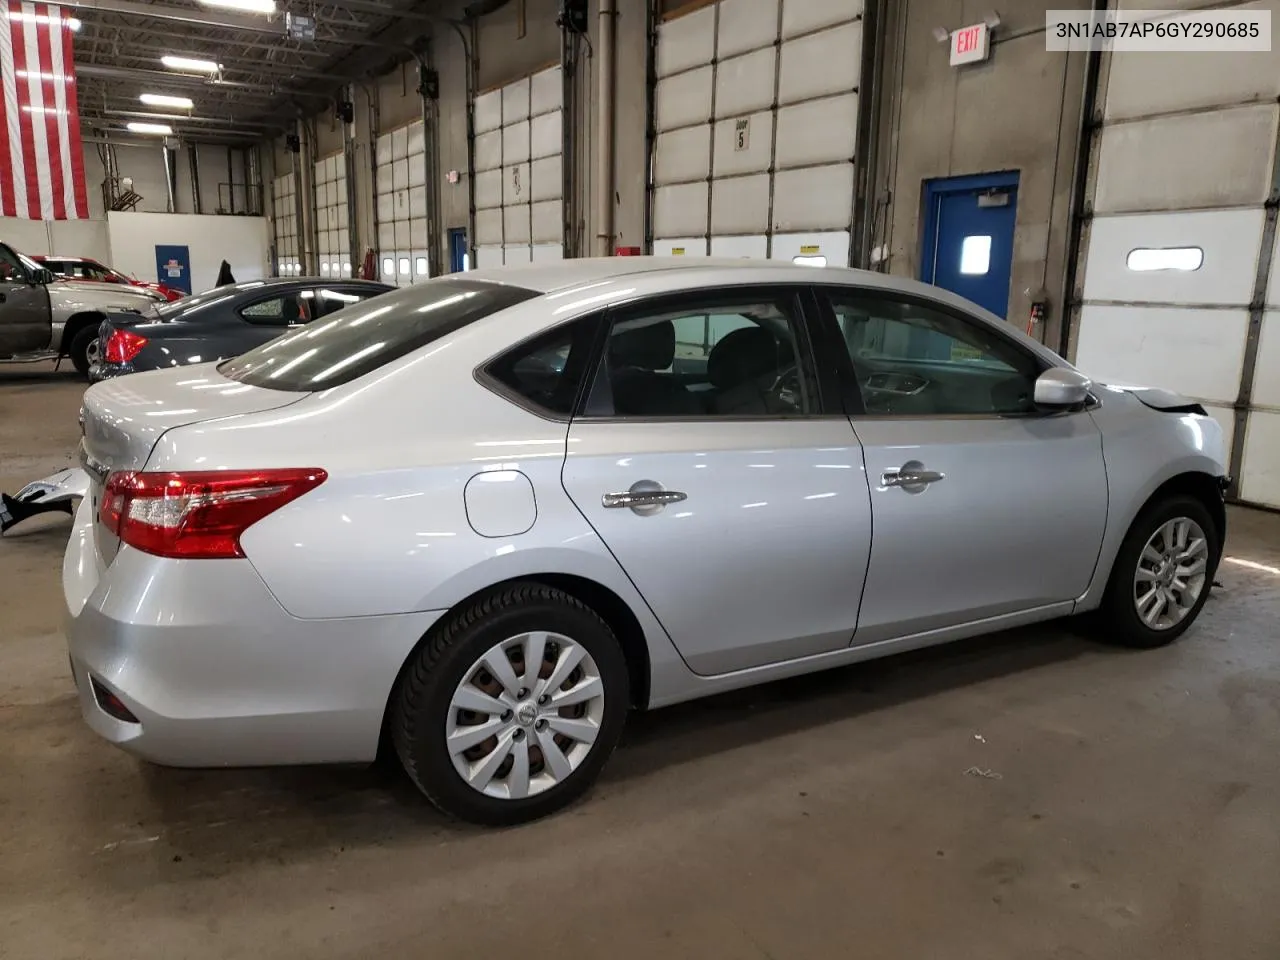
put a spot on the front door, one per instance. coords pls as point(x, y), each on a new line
point(732, 500)
point(968, 240)
point(25, 319)
point(982, 507)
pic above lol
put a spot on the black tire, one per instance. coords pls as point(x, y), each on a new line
point(78, 351)
point(421, 704)
point(1118, 621)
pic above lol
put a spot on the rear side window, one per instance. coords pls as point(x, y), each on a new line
point(343, 346)
point(546, 374)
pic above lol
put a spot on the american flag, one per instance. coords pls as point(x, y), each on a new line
point(41, 159)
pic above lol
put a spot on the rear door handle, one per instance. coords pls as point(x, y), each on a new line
point(645, 497)
point(911, 477)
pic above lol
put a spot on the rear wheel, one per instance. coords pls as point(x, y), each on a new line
point(84, 348)
point(510, 709)
point(1162, 575)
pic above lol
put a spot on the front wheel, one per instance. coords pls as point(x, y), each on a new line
point(1162, 575)
point(510, 709)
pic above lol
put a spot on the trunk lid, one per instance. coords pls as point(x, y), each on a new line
point(122, 419)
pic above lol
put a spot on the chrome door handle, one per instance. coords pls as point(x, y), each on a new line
point(642, 498)
point(912, 477)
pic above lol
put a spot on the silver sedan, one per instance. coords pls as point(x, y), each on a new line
point(480, 519)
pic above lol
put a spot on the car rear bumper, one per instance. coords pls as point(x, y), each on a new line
point(106, 371)
point(213, 669)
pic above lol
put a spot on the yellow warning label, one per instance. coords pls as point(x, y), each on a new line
point(808, 249)
point(677, 251)
point(962, 351)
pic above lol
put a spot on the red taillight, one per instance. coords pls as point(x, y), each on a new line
point(122, 346)
point(197, 515)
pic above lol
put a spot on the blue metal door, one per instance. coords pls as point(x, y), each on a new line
point(173, 266)
point(968, 237)
point(457, 250)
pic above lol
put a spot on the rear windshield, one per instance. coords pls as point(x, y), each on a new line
point(352, 342)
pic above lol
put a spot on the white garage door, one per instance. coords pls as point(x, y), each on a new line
point(333, 229)
point(756, 111)
point(285, 224)
point(400, 183)
point(519, 183)
point(1186, 161)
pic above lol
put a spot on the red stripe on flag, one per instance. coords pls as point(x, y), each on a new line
point(74, 146)
point(8, 197)
point(54, 123)
point(31, 173)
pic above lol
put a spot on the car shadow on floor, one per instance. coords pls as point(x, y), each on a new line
point(220, 818)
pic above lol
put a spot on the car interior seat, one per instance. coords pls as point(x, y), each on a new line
point(635, 357)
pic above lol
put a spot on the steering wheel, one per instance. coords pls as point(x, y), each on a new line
point(785, 396)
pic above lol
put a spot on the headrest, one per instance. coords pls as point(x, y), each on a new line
point(290, 309)
point(651, 347)
point(740, 356)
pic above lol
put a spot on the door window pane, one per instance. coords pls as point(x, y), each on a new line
point(283, 311)
point(736, 359)
point(915, 360)
point(975, 255)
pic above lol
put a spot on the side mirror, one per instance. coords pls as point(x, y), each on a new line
point(1061, 387)
point(42, 276)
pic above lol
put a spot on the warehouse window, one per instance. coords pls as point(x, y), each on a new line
point(388, 267)
point(1145, 259)
point(420, 266)
point(818, 261)
point(975, 255)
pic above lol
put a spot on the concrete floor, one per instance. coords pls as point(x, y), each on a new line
point(1131, 807)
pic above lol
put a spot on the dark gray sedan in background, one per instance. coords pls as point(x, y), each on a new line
point(219, 323)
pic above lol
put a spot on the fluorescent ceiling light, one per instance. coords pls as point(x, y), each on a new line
point(164, 100)
point(161, 128)
point(253, 6)
point(190, 63)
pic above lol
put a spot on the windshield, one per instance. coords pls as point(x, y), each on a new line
point(352, 342)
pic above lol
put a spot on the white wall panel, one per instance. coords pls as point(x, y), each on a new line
point(683, 100)
point(822, 63)
point(1266, 386)
point(1190, 351)
point(515, 224)
point(740, 205)
point(814, 198)
point(686, 42)
point(546, 179)
point(488, 150)
point(1260, 476)
point(547, 220)
point(545, 138)
point(801, 16)
point(680, 247)
point(489, 188)
point(834, 246)
point(515, 184)
point(488, 256)
point(1217, 159)
point(399, 143)
point(684, 155)
point(759, 150)
point(818, 131)
point(488, 111)
point(680, 210)
point(754, 248)
point(1229, 239)
point(515, 142)
point(543, 252)
point(746, 25)
point(515, 102)
point(745, 84)
point(546, 91)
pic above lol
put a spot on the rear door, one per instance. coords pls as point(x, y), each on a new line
point(982, 506)
point(25, 319)
point(724, 477)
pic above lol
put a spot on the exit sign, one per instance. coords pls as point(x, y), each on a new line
point(970, 44)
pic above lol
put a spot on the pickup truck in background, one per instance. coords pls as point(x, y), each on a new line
point(44, 318)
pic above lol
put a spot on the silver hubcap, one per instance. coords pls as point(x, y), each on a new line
point(1171, 573)
point(525, 715)
point(91, 352)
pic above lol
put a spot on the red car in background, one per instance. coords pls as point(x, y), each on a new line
point(83, 268)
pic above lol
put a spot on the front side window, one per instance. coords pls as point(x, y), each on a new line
point(913, 359)
point(342, 346)
point(733, 358)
